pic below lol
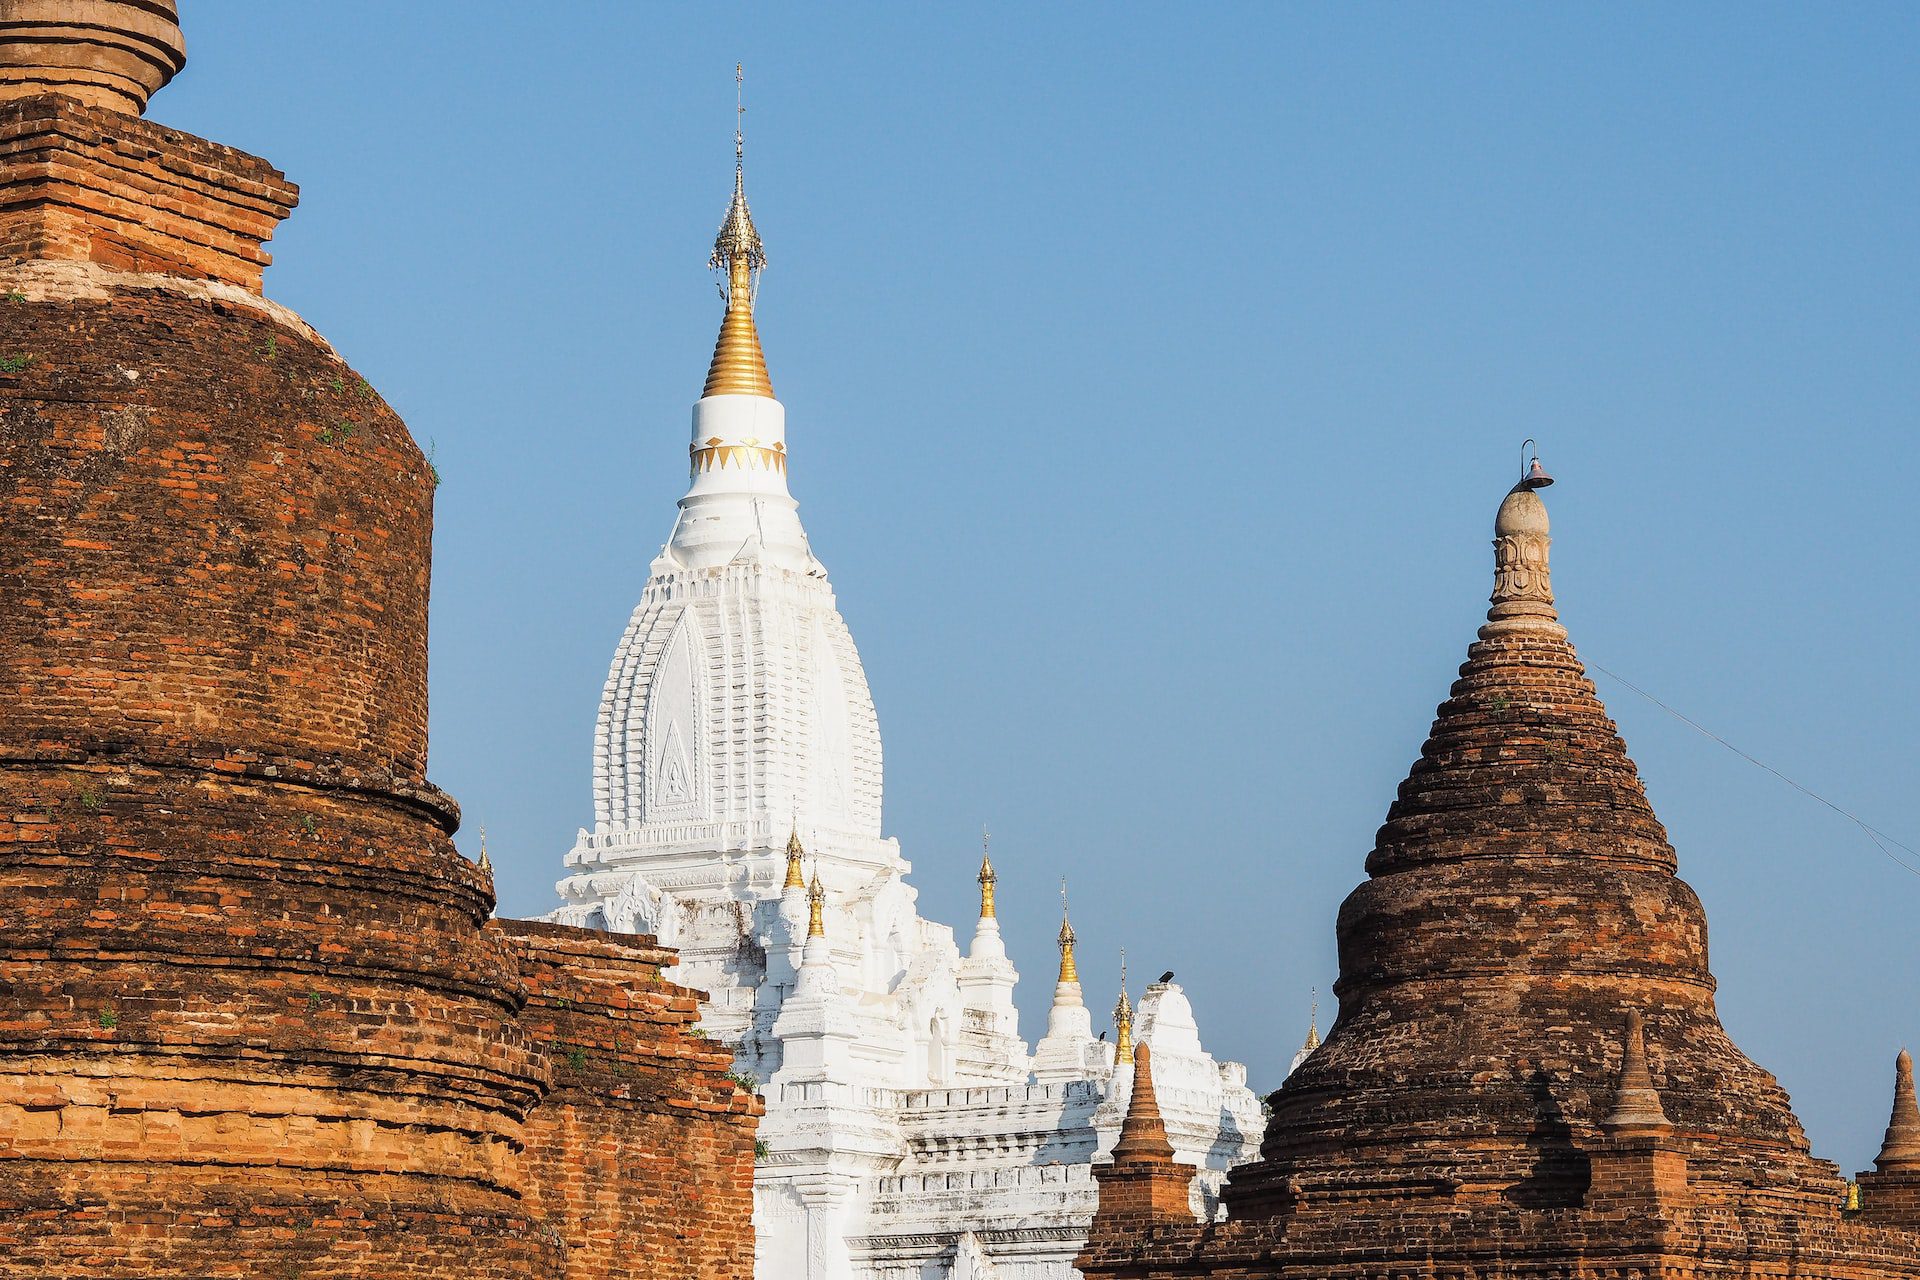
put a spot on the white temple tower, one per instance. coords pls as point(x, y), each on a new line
point(737, 815)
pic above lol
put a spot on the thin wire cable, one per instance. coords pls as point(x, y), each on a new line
point(1880, 838)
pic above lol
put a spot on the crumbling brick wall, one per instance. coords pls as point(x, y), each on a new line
point(641, 1156)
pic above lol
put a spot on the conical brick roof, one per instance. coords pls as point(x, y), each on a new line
point(1521, 895)
point(1901, 1150)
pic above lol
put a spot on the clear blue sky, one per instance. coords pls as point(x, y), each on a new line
point(1152, 375)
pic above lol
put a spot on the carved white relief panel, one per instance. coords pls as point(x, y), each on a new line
point(676, 748)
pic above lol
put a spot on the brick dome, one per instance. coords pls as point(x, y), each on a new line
point(1521, 898)
point(254, 1022)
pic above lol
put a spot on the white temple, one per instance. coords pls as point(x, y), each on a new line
point(909, 1132)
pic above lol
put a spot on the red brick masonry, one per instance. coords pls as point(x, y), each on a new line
point(85, 184)
point(642, 1153)
point(253, 1018)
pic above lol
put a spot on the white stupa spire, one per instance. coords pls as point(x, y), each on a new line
point(736, 711)
point(992, 1048)
point(736, 717)
point(737, 504)
point(1062, 1052)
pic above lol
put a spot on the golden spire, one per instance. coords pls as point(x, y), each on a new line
point(1313, 1024)
point(1123, 1019)
point(1068, 973)
point(816, 899)
point(794, 853)
point(486, 863)
point(987, 877)
point(738, 368)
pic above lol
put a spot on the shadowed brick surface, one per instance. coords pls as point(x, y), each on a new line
point(642, 1154)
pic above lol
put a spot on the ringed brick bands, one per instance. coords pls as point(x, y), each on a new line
point(254, 1019)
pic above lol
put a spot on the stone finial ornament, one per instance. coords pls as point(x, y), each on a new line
point(1636, 1103)
point(105, 53)
point(1901, 1149)
point(1522, 597)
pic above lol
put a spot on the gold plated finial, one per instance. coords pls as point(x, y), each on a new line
point(1068, 971)
point(987, 877)
point(486, 863)
point(794, 853)
point(739, 368)
point(816, 901)
point(1123, 1019)
point(1313, 1024)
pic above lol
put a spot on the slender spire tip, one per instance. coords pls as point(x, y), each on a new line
point(816, 904)
point(987, 877)
point(739, 367)
point(1069, 972)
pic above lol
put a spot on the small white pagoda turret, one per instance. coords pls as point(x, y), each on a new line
point(990, 1043)
point(1068, 1051)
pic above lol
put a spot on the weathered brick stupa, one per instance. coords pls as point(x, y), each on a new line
point(253, 1018)
point(1527, 1076)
